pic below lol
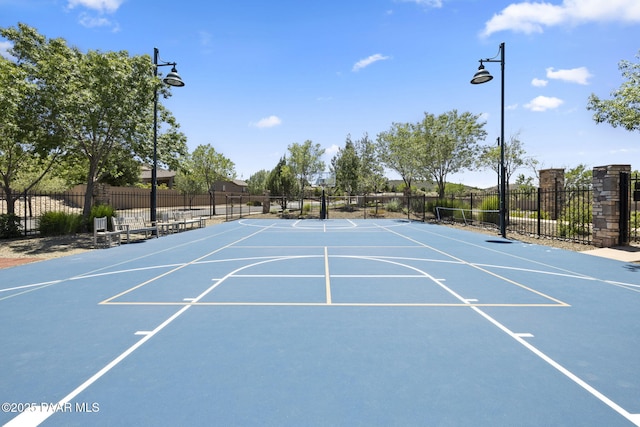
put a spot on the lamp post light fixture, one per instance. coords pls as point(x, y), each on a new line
point(171, 79)
point(483, 76)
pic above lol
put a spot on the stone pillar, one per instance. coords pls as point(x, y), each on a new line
point(552, 192)
point(101, 194)
point(606, 205)
point(266, 202)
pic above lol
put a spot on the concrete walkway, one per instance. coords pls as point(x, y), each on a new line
point(620, 253)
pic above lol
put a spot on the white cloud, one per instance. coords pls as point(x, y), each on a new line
point(543, 103)
point(268, 122)
point(575, 75)
point(426, 3)
point(205, 38)
point(538, 82)
point(4, 50)
point(527, 17)
point(368, 61)
point(93, 21)
point(331, 151)
point(108, 6)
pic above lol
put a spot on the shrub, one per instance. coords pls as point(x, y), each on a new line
point(9, 226)
point(635, 219)
point(394, 205)
point(306, 208)
point(491, 203)
point(575, 220)
point(59, 223)
point(543, 215)
point(99, 211)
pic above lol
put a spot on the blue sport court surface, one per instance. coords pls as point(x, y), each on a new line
point(321, 323)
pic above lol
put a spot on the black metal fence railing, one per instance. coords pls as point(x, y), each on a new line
point(30, 207)
point(559, 213)
point(369, 206)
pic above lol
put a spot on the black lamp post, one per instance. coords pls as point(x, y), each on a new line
point(483, 76)
point(172, 79)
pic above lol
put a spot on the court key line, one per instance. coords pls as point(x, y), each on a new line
point(327, 275)
point(476, 266)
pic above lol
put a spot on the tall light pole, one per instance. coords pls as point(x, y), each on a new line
point(171, 79)
point(483, 76)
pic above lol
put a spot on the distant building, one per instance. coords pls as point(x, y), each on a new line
point(164, 177)
point(234, 186)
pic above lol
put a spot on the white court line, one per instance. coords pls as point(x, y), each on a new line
point(573, 273)
point(326, 275)
point(94, 273)
point(634, 418)
point(53, 282)
point(34, 418)
point(476, 266)
point(30, 288)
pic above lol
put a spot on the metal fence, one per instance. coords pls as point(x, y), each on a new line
point(368, 206)
point(559, 213)
point(30, 207)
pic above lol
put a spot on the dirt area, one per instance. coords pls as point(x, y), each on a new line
point(23, 250)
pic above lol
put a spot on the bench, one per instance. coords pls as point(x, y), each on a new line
point(178, 221)
point(101, 230)
point(185, 218)
point(134, 225)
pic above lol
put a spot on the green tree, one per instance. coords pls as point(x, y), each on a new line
point(188, 181)
point(257, 183)
point(346, 168)
point(371, 175)
point(32, 100)
point(305, 161)
point(447, 144)
point(282, 182)
point(112, 114)
point(101, 104)
point(399, 151)
point(211, 166)
point(623, 109)
point(201, 169)
point(514, 157)
point(578, 177)
point(525, 183)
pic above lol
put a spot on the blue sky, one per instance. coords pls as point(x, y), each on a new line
point(262, 74)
